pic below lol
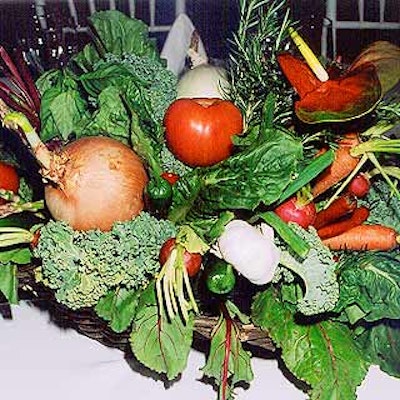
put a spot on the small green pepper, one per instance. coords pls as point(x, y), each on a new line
point(221, 278)
point(160, 192)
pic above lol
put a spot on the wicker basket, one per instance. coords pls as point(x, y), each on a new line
point(88, 323)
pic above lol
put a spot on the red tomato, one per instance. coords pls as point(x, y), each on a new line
point(199, 131)
point(192, 261)
point(9, 179)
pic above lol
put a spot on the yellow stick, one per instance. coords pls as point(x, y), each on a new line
point(309, 56)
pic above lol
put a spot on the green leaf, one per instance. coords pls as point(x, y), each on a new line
point(322, 354)
point(17, 255)
point(380, 343)
point(371, 282)
point(9, 282)
point(244, 181)
point(115, 33)
point(158, 343)
point(311, 171)
point(118, 307)
point(111, 117)
point(62, 107)
point(225, 345)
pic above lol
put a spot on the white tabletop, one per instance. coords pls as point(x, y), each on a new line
point(38, 360)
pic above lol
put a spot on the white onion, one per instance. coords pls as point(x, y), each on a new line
point(203, 81)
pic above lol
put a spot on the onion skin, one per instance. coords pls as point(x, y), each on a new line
point(103, 182)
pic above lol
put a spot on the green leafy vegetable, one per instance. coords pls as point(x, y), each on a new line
point(380, 344)
point(243, 181)
point(322, 354)
point(227, 362)
point(9, 261)
point(118, 307)
point(318, 273)
point(161, 344)
point(370, 286)
point(81, 267)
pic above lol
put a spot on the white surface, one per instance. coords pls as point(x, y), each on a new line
point(40, 361)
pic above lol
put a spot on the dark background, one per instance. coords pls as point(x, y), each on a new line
point(215, 20)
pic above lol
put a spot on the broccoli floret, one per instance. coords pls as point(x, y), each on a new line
point(317, 270)
point(81, 267)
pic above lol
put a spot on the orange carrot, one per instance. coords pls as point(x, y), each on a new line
point(358, 216)
point(341, 167)
point(340, 207)
point(365, 237)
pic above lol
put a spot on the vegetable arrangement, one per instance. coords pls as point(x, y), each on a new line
point(157, 209)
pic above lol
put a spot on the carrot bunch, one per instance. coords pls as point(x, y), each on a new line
point(341, 224)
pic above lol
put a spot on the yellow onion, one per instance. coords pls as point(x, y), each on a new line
point(102, 182)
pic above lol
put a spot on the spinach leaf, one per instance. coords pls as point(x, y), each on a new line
point(244, 181)
point(114, 32)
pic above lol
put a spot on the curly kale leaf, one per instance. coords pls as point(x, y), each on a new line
point(318, 273)
point(81, 267)
point(384, 205)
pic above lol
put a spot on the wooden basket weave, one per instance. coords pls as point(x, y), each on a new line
point(88, 323)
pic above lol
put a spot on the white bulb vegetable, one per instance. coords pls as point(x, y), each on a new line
point(250, 249)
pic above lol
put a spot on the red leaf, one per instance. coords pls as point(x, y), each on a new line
point(298, 74)
point(354, 94)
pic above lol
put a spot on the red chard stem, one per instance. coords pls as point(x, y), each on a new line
point(12, 68)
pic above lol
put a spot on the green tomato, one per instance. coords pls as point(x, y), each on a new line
point(221, 278)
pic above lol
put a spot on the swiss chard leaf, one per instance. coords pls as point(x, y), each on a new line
point(370, 286)
point(380, 343)
point(119, 308)
point(160, 344)
point(227, 362)
point(322, 354)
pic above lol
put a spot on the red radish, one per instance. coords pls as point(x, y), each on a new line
point(359, 186)
point(365, 237)
point(300, 212)
point(192, 261)
point(358, 216)
point(340, 207)
point(9, 179)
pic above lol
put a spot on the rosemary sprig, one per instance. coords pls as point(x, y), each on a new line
point(254, 71)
